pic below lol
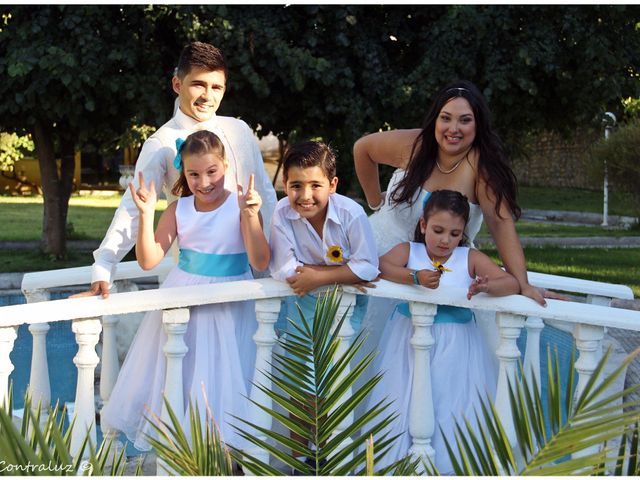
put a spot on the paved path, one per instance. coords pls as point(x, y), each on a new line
point(571, 242)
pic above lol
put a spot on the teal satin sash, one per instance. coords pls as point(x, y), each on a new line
point(213, 264)
point(446, 313)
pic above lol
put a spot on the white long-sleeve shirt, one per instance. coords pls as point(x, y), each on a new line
point(294, 241)
point(156, 163)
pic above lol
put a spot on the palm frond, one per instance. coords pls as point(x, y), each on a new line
point(317, 388)
point(41, 445)
point(576, 439)
point(202, 452)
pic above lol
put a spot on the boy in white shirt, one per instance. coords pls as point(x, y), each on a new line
point(318, 237)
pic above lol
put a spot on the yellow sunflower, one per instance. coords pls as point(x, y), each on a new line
point(439, 266)
point(334, 254)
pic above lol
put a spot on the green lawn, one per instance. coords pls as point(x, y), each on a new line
point(610, 265)
point(35, 261)
point(532, 229)
point(574, 200)
point(89, 216)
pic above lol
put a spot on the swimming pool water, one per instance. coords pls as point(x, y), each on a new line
point(61, 348)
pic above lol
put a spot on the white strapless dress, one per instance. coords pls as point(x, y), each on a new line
point(394, 224)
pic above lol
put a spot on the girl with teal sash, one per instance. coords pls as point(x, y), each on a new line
point(220, 237)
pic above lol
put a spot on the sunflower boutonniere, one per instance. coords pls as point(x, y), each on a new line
point(334, 254)
point(439, 266)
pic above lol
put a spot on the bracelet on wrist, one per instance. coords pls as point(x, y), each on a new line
point(377, 207)
point(414, 275)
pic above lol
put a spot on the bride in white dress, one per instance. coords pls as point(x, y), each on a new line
point(456, 150)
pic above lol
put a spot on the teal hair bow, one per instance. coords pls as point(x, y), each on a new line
point(177, 162)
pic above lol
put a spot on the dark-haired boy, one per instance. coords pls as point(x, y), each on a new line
point(318, 237)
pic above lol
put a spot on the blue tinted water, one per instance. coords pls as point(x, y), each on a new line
point(557, 342)
point(61, 348)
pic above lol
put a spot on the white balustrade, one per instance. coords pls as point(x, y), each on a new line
point(110, 365)
point(87, 332)
point(509, 327)
point(39, 383)
point(589, 344)
point(175, 323)
point(421, 416)
point(7, 337)
point(265, 337)
point(588, 321)
point(531, 364)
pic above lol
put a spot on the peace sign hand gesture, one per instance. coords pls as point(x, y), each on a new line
point(251, 201)
point(145, 199)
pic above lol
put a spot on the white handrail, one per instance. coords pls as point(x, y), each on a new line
point(82, 275)
point(178, 297)
point(578, 285)
point(131, 270)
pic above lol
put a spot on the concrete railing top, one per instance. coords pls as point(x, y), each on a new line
point(131, 270)
point(82, 275)
point(179, 297)
point(578, 285)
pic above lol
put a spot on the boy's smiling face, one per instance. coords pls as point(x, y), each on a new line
point(200, 92)
point(308, 190)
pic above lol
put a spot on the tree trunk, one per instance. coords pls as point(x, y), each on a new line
point(56, 188)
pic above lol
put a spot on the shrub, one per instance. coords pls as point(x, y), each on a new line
point(621, 152)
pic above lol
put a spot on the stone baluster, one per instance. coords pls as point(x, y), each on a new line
point(605, 302)
point(509, 326)
point(7, 336)
point(589, 344)
point(265, 337)
point(421, 415)
point(345, 308)
point(534, 326)
point(87, 332)
point(110, 365)
point(175, 322)
point(39, 385)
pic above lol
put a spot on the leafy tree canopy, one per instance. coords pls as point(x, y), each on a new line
point(86, 73)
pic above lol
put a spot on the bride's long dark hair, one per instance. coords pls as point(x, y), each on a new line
point(492, 159)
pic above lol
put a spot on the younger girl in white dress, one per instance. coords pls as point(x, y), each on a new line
point(461, 364)
point(220, 235)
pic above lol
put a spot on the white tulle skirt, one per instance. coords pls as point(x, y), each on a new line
point(461, 365)
point(219, 364)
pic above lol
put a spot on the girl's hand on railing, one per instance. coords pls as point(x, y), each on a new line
point(479, 284)
point(97, 288)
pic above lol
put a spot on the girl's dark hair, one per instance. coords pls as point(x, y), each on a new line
point(447, 200)
point(310, 154)
point(492, 159)
point(198, 143)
